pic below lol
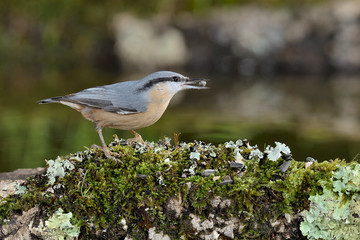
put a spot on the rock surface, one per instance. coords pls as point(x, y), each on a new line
point(9, 180)
point(18, 227)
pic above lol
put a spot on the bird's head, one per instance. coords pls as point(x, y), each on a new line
point(171, 82)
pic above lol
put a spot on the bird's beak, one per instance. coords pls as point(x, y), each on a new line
point(196, 83)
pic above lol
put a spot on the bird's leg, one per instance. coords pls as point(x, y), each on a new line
point(137, 138)
point(105, 149)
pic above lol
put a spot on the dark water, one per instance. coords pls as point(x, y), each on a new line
point(314, 117)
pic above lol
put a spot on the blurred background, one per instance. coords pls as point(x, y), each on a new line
point(279, 71)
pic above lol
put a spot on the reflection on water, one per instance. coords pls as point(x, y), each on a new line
point(318, 118)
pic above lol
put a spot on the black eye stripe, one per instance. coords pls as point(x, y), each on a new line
point(158, 80)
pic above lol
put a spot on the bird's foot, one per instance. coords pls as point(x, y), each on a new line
point(136, 139)
point(108, 153)
point(95, 146)
point(111, 155)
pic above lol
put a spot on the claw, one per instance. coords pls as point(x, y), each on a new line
point(137, 138)
point(108, 153)
point(111, 155)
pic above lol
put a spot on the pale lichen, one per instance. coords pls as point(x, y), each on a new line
point(195, 155)
point(275, 153)
point(230, 144)
point(58, 227)
point(58, 168)
point(256, 154)
point(153, 235)
point(19, 189)
point(334, 214)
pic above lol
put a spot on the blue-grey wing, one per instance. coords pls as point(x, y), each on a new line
point(120, 98)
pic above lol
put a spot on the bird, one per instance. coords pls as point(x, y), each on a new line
point(128, 105)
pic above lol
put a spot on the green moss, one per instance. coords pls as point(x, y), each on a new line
point(131, 197)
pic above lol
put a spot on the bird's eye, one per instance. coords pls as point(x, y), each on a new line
point(176, 79)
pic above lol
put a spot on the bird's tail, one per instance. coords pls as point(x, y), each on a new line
point(50, 100)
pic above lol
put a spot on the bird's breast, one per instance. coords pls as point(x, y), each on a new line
point(158, 101)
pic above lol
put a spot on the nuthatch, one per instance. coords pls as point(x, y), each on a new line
point(128, 105)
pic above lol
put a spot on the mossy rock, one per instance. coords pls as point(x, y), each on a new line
point(159, 191)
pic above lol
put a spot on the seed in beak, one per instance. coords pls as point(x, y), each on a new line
point(202, 83)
